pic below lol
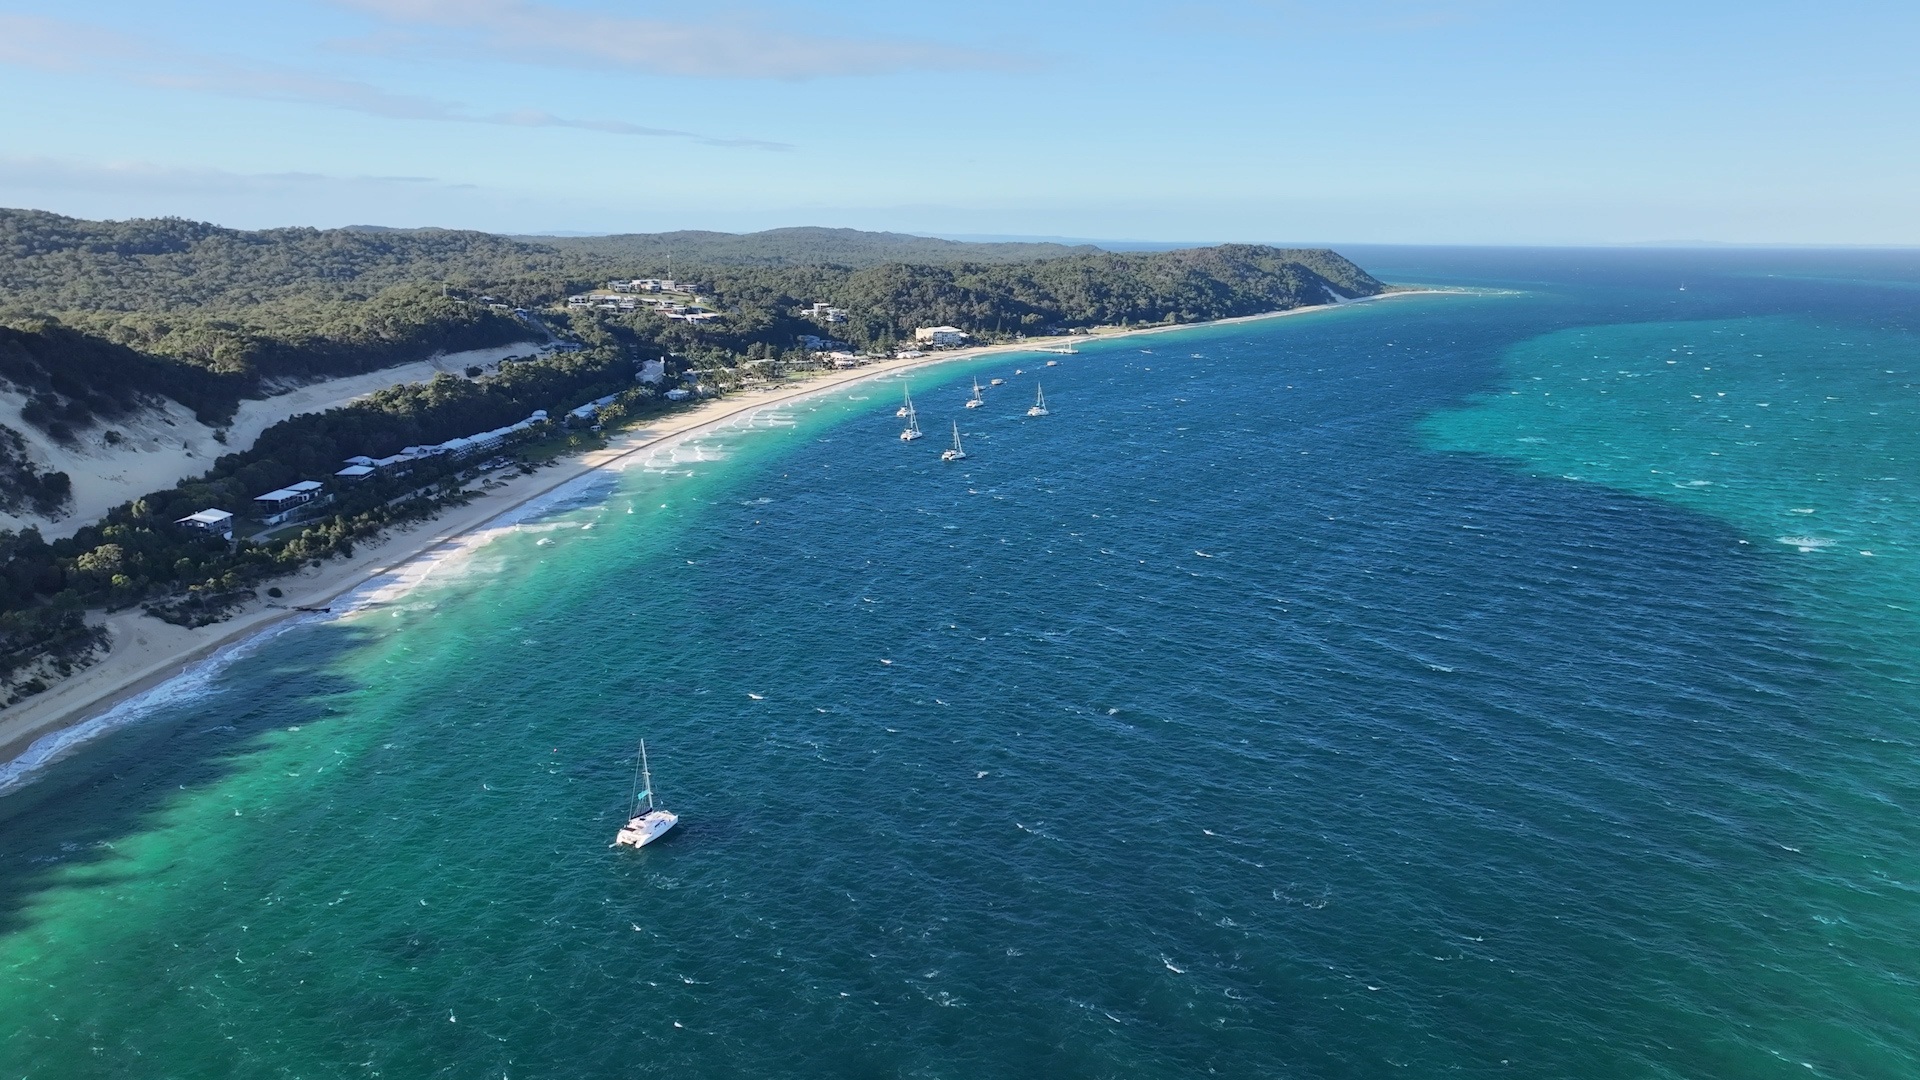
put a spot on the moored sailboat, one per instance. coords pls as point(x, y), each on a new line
point(649, 824)
point(955, 454)
point(977, 400)
point(1039, 403)
point(913, 422)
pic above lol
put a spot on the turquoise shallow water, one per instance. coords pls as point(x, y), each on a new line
point(1435, 685)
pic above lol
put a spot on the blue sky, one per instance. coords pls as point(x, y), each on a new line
point(1415, 121)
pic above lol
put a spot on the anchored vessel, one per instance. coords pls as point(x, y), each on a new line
point(955, 454)
point(1039, 403)
point(913, 421)
point(977, 399)
point(649, 823)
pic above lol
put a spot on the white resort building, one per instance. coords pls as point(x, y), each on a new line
point(276, 506)
point(217, 522)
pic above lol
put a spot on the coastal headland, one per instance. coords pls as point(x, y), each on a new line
point(146, 652)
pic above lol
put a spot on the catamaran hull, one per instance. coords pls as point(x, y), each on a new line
point(646, 828)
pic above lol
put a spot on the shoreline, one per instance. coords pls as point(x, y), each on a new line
point(146, 653)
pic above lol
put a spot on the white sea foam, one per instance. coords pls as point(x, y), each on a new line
point(1806, 543)
point(193, 683)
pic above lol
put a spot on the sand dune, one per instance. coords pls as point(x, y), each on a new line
point(160, 447)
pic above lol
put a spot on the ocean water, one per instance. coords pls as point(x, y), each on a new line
point(1512, 682)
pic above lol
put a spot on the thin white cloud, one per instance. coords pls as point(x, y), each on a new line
point(117, 190)
point(21, 175)
point(58, 45)
point(732, 48)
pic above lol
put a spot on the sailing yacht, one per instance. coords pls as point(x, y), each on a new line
point(908, 407)
point(913, 422)
point(649, 824)
point(1039, 403)
point(977, 399)
point(956, 453)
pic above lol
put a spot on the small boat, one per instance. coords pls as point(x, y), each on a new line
point(977, 399)
point(907, 408)
point(649, 824)
point(913, 422)
point(1053, 363)
point(955, 454)
point(1039, 403)
point(995, 382)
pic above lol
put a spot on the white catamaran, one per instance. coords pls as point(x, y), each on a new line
point(903, 410)
point(977, 399)
point(955, 454)
point(1039, 403)
point(649, 824)
point(913, 422)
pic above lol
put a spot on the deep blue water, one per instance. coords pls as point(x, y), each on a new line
point(1267, 710)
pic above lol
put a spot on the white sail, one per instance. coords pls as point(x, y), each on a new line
point(1039, 403)
point(955, 454)
point(913, 422)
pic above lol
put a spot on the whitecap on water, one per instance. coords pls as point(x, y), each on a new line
point(1806, 543)
point(192, 684)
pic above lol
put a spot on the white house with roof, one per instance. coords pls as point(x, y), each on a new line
point(940, 335)
point(278, 505)
point(217, 522)
point(586, 412)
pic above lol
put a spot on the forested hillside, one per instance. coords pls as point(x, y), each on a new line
point(206, 315)
point(994, 301)
point(657, 253)
point(282, 303)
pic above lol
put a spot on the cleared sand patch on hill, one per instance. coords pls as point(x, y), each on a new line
point(158, 448)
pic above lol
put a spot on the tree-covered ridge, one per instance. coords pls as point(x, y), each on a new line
point(884, 304)
point(1191, 285)
point(280, 303)
point(649, 253)
point(95, 317)
point(54, 263)
point(205, 314)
